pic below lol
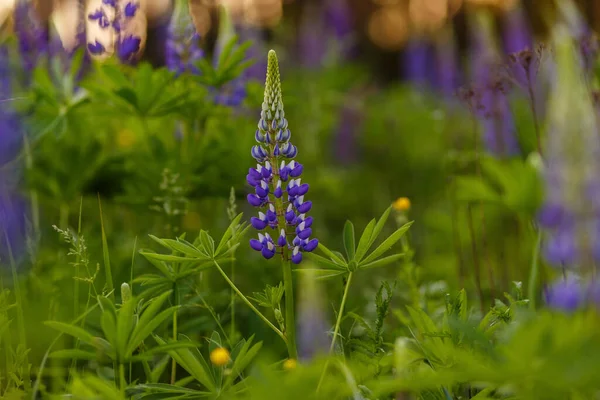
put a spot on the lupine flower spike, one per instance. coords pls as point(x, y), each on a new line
point(183, 42)
point(278, 190)
point(31, 34)
point(115, 27)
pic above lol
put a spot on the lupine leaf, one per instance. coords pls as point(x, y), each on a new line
point(166, 257)
point(71, 354)
point(71, 330)
point(322, 273)
point(243, 359)
point(147, 319)
point(186, 359)
point(349, 240)
point(229, 233)
point(387, 244)
point(336, 258)
point(163, 348)
point(124, 328)
point(109, 327)
point(325, 262)
point(379, 226)
point(381, 262)
point(365, 241)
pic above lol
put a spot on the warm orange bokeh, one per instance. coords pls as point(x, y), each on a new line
point(388, 27)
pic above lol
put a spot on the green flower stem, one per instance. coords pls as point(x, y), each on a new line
point(534, 272)
point(290, 319)
point(122, 381)
point(249, 304)
point(336, 330)
point(174, 363)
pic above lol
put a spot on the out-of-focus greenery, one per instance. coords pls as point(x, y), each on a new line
point(136, 151)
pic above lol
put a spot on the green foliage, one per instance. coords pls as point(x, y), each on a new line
point(335, 264)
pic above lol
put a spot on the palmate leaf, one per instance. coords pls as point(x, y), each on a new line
point(387, 244)
point(322, 261)
point(188, 361)
point(124, 328)
point(71, 354)
point(147, 319)
point(243, 358)
point(163, 348)
point(71, 330)
point(381, 262)
point(365, 241)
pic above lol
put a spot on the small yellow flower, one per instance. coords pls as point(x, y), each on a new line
point(402, 204)
point(219, 356)
point(126, 139)
point(289, 364)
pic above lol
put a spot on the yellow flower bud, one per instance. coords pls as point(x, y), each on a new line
point(401, 204)
point(289, 364)
point(219, 356)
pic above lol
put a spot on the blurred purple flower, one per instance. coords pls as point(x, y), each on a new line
point(516, 33)
point(345, 137)
point(313, 327)
point(32, 35)
point(446, 63)
point(182, 47)
point(567, 294)
point(418, 61)
point(487, 96)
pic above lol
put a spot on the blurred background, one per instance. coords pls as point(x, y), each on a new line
point(434, 101)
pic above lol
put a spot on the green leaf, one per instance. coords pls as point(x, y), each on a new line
point(140, 331)
point(379, 226)
point(322, 273)
point(186, 359)
point(71, 354)
point(470, 189)
point(229, 233)
point(349, 241)
point(322, 261)
point(334, 257)
point(381, 262)
point(106, 257)
point(71, 330)
point(387, 244)
point(163, 348)
point(243, 359)
point(186, 248)
point(166, 257)
point(124, 328)
point(365, 241)
point(208, 244)
point(109, 327)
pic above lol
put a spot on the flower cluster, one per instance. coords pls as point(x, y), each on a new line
point(571, 213)
point(182, 48)
point(116, 15)
point(279, 191)
point(570, 294)
point(32, 35)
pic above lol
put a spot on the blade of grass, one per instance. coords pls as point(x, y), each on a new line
point(106, 256)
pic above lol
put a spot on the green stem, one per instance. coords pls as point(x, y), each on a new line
point(290, 319)
point(174, 363)
point(20, 314)
point(534, 273)
point(232, 305)
point(35, 207)
point(249, 304)
point(336, 330)
point(122, 381)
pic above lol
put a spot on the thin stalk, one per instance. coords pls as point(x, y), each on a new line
point(476, 266)
point(39, 375)
point(249, 304)
point(35, 206)
point(174, 363)
point(336, 330)
point(534, 272)
point(20, 314)
point(536, 123)
point(290, 319)
point(232, 305)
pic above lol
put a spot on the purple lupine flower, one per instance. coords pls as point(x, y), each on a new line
point(339, 24)
point(255, 36)
point(312, 43)
point(31, 34)
point(182, 46)
point(446, 64)
point(488, 96)
point(346, 148)
point(312, 322)
point(127, 44)
point(417, 61)
point(278, 190)
point(566, 294)
point(232, 93)
point(12, 206)
point(516, 33)
point(571, 213)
